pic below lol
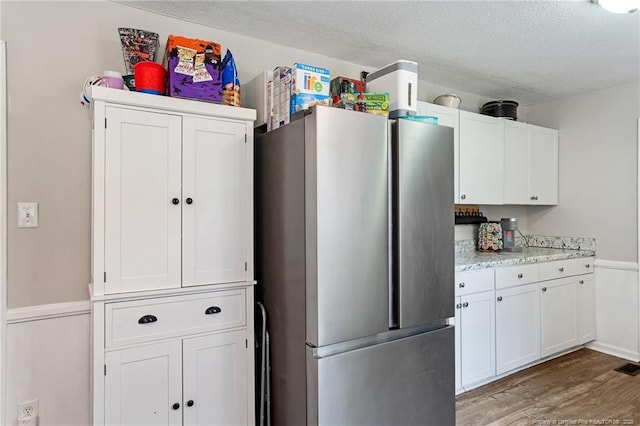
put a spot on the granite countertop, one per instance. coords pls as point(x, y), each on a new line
point(471, 260)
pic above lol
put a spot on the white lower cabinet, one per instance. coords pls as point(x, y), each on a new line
point(475, 316)
point(586, 308)
point(517, 327)
point(559, 315)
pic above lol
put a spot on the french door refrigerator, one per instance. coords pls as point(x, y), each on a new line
point(355, 263)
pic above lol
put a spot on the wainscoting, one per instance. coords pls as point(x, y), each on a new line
point(48, 359)
point(617, 306)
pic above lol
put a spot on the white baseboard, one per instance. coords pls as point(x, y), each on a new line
point(614, 351)
point(54, 310)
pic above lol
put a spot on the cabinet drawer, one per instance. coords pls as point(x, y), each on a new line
point(473, 281)
point(150, 319)
point(584, 265)
point(558, 269)
point(510, 276)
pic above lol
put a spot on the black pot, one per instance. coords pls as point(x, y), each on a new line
point(502, 109)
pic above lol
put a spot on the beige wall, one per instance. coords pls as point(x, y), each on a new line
point(598, 170)
point(52, 48)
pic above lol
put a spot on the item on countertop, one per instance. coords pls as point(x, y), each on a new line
point(490, 237)
point(346, 98)
point(302, 101)
point(448, 100)
point(509, 229)
point(230, 81)
point(468, 214)
point(377, 103)
point(361, 103)
point(400, 80)
point(281, 96)
point(137, 46)
point(194, 69)
point(150, 78)
point(501, 109)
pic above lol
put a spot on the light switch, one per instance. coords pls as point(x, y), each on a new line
point(27, 215)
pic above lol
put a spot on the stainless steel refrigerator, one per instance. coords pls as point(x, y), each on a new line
point(355, 264)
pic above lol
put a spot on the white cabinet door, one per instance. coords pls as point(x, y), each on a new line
point(447, 117)
point(517, 327)
point(559, 317)
point(215, 201)
point(481, 159)
point(142, 385)
point(215, 380)
point(477, 337)
point(516, 162)
point(543, 166)
point(586, 309)
point(142, 199)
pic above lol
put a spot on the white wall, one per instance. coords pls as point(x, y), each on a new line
point(598, 170)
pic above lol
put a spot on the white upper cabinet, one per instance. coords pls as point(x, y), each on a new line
point(172, 193)
point(481, 159)
point(531, 164)
point(447, 117)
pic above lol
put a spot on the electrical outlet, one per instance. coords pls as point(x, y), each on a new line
point(28, 409)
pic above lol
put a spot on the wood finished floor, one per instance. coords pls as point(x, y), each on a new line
point(579, 388)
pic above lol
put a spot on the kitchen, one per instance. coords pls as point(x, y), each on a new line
point(49, 161)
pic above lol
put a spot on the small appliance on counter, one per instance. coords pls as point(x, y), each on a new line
point(509, 229)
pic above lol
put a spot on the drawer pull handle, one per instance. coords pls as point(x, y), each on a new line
point(459, 306)
point(212, 310)
point(561, 269)
point(581, 281)
point(520, 275)
point(544, 289)
point(465, 304)
point(175, 406)
point(147, 319)
point(461, 285)
point(190, 403)
point(499, 298)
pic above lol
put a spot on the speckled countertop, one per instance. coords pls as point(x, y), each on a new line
point(470, 260)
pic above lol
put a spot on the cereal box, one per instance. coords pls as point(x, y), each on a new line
point(302, 101)
point(194, 69)
point(308, 79)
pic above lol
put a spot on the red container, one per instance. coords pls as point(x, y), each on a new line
point(150, 77)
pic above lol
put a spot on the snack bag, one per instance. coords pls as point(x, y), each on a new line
point(230, 81)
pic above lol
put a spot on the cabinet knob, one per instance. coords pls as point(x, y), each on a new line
point(461, 285)
point(532, 198)
point(465, 304)
point(190, 403)
point(459, 305)
point(588, 265)
point(561, 269)
point(175, 406)
point(544, 289)
point(520, 275)
point(581, 281)
point(189, 200)
point(175, 201)
point(147, 319)
point(212, 310)
point(499, 298)
point(536, 197)
point(462, 197)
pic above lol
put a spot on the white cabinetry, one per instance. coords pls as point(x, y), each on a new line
point(586, 301)
point(531, 164)
point(481, 159)
point(559, 316)
point(446, 117)
point(475, 331)
point(517, 327)
point(172, 261)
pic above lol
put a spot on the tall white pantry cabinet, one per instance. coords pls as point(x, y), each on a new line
point(172, 261)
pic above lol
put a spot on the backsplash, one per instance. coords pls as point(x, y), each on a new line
point(571, 243)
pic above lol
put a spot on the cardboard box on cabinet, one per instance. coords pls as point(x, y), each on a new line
point(193, 68)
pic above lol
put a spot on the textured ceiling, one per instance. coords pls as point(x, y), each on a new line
point(530, 51)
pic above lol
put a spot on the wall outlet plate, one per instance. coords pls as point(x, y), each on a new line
point(28, 408)
point(27, 215)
